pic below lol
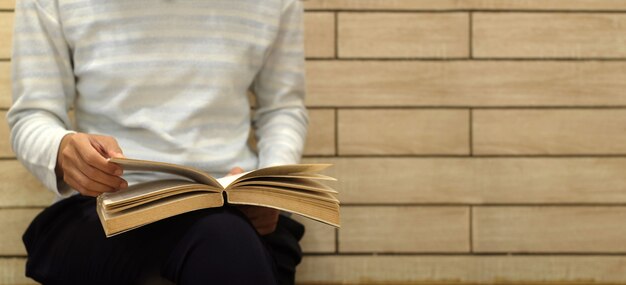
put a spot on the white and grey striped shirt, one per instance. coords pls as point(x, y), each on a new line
point(167, 78)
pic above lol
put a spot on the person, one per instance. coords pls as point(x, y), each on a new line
point(162, 80)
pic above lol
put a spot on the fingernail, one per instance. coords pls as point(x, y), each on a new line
point(118, 172)
point(124, 185)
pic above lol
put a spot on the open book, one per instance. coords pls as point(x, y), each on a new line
point(294, 188)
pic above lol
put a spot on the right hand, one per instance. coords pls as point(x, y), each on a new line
point(82, 164)
point(263, 219)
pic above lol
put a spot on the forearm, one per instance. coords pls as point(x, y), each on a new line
point(281, 119)
point(35, 138)
point(281, 135)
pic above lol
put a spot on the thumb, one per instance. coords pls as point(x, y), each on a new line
point(235, 170)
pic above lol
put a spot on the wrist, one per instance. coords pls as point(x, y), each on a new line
point(58, 170)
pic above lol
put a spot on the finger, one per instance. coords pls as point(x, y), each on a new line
point(260, 211)
point(97, 175)
point(264, 219)
point(109, 145)
point(268, 223)
point(263, 223)
point(264, 230)
point(243, 209)
point(263, 211)
point(82, 190)
point(93, 157)
point(252, 212)
point(88, 183)
point(235, 170)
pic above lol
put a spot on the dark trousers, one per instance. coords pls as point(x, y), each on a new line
point(66, 245)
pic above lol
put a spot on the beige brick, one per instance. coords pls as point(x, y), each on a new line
point(402, 35)
point(385, 4)
point(5, 143)
point(319, 37)
point(568, 5)
point(7, 4)
point(549, 35)
point(6, 30)
point(404, 229)
point(19, 188)
point(318, 237)
point(5, 84)
point(12, 271)
point(479, 180)
point(465, 83)
point(429, 269)
point(13, 223)
point(404, 131)
point(578, 131)
point(555, 229)
point(320, 138)
point(425, 269)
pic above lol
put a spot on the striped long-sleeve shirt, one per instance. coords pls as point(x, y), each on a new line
point(167, 78)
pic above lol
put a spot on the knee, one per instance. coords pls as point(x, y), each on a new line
point(225, 228)
point(225, 242)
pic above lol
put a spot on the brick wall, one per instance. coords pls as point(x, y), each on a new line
point(476, 141)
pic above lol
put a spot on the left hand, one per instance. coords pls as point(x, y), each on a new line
point(263, 219)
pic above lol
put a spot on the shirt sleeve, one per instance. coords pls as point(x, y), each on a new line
point(281, 118)
point(43, 89)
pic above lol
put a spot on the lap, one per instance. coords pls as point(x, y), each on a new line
point(66, 241)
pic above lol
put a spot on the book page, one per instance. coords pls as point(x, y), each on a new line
point(294, 193)
point(115, 223)
point(280, 170)
point(312, 176)
point(289, 169)
point(153, 190)
point(328, 214)
point(227, 180)
point(293, 183)
point(185, 171)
